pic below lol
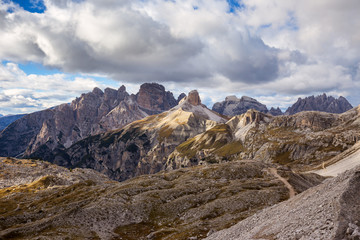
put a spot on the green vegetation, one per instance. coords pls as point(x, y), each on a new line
point(230, 149)
point(165, 132)
point(283, 158)
point(185, 149)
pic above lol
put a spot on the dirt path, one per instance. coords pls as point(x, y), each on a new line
point(274, 172)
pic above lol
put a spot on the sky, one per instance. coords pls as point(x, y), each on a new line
point(276, 51)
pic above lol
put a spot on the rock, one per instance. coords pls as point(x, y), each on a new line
point(16, 137)
point(321, 103)
point(302, 141)
point(84, 204)
point(327, 211)
point(49, 132)
point(275, 112)
point(152, 98)
point(7, 120)
point(142, 147)
point(180, 97)
point(234, 106)
point(192, 98)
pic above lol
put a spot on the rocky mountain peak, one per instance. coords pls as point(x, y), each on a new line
point(180, 97)
point(322, 103)
point(193, 98)
point(122, 89)
point(152, 98)
point(231, 98)
point(97, 91)
point(235, 106)
point(275, 111)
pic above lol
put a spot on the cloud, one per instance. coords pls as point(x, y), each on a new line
point(139, 41)
point(263, 48)
point(22, 93)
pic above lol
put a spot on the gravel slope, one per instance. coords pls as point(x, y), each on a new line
point(327, 211)
point(341, 166)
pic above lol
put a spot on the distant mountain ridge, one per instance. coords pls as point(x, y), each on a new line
point(235, 106)
point(94, 112)
point(322, 103)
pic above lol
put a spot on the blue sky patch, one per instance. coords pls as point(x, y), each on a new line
point(235, 5)
point(34, 6)
point(37, 69)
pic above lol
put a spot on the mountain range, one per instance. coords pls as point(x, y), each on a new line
point(320, 103)
point(233, 106)
point(182, 171)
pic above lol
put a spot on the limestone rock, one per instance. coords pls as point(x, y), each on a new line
point(152, 98)
point(275, 112)
point(7, 120)
point(193, 98)
point(49, 132)
point(321, 103)
point(45, 201)
point(141, 147)
point(180, 97)
point(327, 211)
point(303, 141)
point(234, 106)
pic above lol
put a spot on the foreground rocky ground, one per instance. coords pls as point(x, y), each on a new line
point(39, 200)
point(328, 211)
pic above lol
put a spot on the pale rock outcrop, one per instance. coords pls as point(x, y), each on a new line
point(303, 141)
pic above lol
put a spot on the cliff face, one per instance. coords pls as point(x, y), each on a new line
point(275, 111)
point(152, 98)
point(7, 120)
point(321, 103)
point(17, 136)
point(143, 146)
point(41, 134)
point(234, 106)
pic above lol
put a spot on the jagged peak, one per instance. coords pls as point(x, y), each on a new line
point(246, 98)
point(251, 116)
point(152, 86)
point(97, 91)
point(232, 98)
point(180, 97)
point(122, 89)
point(192, 98)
